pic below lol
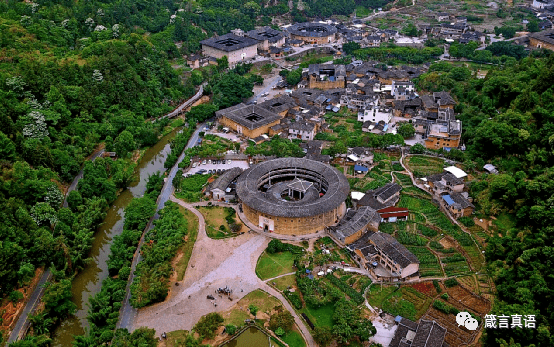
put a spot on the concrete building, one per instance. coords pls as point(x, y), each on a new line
point(445, 183)
point(444, 135)
point(326, 76)
point(376, 114)
point(302, 130)
point(458, 204)
point(314, 33)
point(293, 196)
point(249, 120)
point(542, 39)
point(403, 90)
point(236, 48)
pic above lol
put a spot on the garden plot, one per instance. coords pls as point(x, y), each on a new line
point(466, 300)
point(422, 166)
point(455, 335)
point(429, 265)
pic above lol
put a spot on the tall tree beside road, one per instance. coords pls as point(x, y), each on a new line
point(231, 89)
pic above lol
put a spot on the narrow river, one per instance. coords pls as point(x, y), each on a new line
point(88, 282)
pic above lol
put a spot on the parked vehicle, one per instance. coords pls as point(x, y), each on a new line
point(194, 165)
point(203, 162)
point(209, 162)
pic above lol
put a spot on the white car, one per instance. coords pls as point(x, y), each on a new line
point(209, 162)
point(203, 162)
point(194, 165)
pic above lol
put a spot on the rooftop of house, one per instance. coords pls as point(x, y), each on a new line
point(302, 126)
point(229, 42)
point(446, 177)
point(265, 33)
point(279, 104)
point(223, 181)
point(384, 194)
point(312, 29)
point(393, 249)
point(443, 98)
point(249, 116)
point(545, 36)
point(457, 200)
point(354, 221)
point(426, 333)
point(330, 70)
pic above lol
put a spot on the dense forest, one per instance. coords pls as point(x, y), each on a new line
point(508, 120)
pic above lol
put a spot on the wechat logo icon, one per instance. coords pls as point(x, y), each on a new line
point(465, 319)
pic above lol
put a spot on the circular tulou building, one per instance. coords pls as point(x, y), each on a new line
point(293, 196)
point(318, 33)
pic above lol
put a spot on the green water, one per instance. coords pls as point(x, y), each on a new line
point(89, 281)
point(251, 337)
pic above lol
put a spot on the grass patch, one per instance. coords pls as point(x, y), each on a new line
point(217, 226)
point(293, 339)
point(282, 283)
point(190, 189)
point(377, 294)
point(396, 305)
point(273, 265)
point(186, 249)
point(322, 316)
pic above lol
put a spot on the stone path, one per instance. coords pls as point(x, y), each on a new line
point(283, 275)
point(214, 264)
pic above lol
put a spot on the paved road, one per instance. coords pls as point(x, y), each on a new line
point(129, 313)
point(23, 323)
point(184, 105)
point(269, 87)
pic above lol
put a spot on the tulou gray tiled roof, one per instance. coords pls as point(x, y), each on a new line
point(355, 221)
point(249, 116)
point(312, 29)
point(335, 187)
point(265, 33)
point(223, 181)
point(229, 42)
point(429, 334)
point(447, 177)
point(393, 249)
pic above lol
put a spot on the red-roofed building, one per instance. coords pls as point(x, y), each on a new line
point(393, 214)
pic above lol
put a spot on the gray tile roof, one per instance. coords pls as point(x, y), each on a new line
point(447, 177)
point(460, 201)
point(249, 116)
point(354, 221)
point(265, 33)
point(429, 334)
point(334, 183)
point(279, 104)
point(443, 98)
point(302, 126)
point(223, 181)
point(312, 29)
point(229, 42)
point(393, 249)
point(317, 69)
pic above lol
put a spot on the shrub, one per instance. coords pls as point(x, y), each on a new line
point(441, 306)
point(444, 296)
point(294, 298)
point(15, 296)
point(230, 329)
point(452, 282)
point(208, 324)
point(253, 309)
point(437, 286)
point(351, 292)
point(467, 221)
point(282, 320)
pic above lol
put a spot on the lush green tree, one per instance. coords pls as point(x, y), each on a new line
point(124, 144)
point(57, 299)
point(7, 148)
point(350, 47)
point(533, 26)
point(406, 130)
point(141, 337)
point(200, 113)
point(349, 324)
point(323, 336)
point(230, 89)
point(418, 148)
point(208, 324)
point(230, 329)
point(282, 319)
